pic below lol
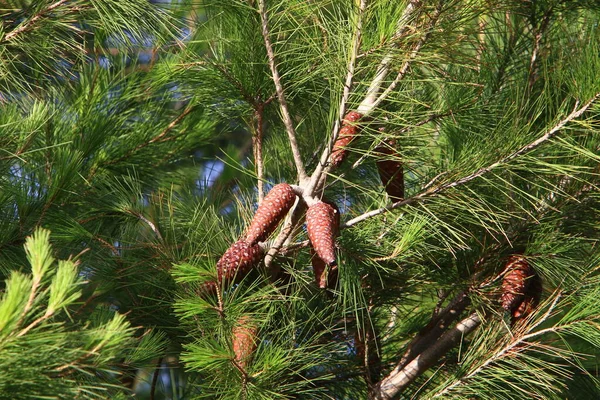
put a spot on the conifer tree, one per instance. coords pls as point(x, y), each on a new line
point(285, 199)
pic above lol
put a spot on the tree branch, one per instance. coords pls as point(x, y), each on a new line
point(516, 340)
point(537, 39)
point(397, 381)
point(257, 138)
point(287, 118)
point(365, 106)
point(368, 107)
point(321, 168)
point(434, 329)
point(434, 190)
point(26, 25)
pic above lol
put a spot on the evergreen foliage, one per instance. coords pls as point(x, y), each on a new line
point(137, 140)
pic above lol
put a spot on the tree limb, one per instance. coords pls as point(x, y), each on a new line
point(517, 340)
point(368, 107)
point(397, 381)
point(287, 118)
point(384, 66)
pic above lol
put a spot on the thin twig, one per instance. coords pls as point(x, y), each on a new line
point(537, 39)
point(287, 118)
point(155, 378)
point(434, 190)
point(257, 137)
point(511, 345)
point(384, 66)
point(29, 23)
point(397, 381)
point(161, 137)
point(407, 63)
point(321, 168)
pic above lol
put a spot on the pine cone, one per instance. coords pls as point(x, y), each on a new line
point(531, 299)
point(347, 134)
point(238, 261)
point(271, 211)
point(521, 289)
point(325, 276)
point(244, 341)
point(322, 225)
point(390, 170)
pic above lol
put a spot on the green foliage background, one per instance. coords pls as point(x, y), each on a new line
point(128, 165)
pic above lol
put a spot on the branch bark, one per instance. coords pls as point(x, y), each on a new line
point(366, 106)
point(257, 138)
point(397, 381)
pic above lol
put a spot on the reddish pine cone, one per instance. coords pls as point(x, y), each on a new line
point(322, 224)
point(238, 261)
point(325, 276)
point(244, 340)
point(516, 282)
point(390, 170)
point(271, 211)
point(347, 134)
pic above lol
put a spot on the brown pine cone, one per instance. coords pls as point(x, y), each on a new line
point(325, 276)
point(271, 211)
point(346, 135)
point(322, 225)
point(515, 283)
point(531, 299)
point(244, 340)
point(238, 261)
point(391, 171)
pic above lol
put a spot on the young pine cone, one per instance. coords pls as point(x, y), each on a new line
point(515, 283)
point(244, 341)
point(390, 170)
point(322, 224)
point(271, 211)
point(238, 261)
point(347, 134)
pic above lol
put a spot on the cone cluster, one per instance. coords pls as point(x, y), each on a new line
point(347, 134)
point(245, 254)
point(521, 288)
point(390, 169)
point(244, 343)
